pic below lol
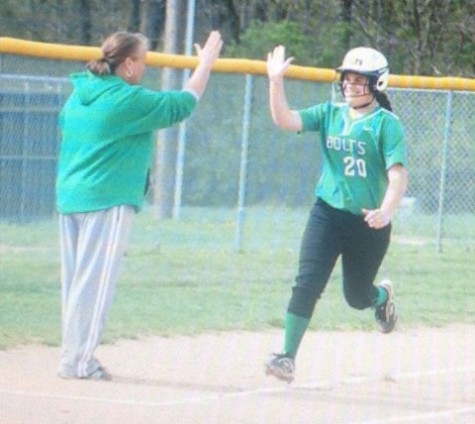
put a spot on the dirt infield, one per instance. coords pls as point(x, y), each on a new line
point(410, 376)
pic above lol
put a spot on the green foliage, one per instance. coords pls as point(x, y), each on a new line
point(419, 37)
point(261, 37)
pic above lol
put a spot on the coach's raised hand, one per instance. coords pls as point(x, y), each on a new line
point(207, 55)
point(211, 50)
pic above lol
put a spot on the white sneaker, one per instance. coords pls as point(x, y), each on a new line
point(281, 366)
point(386, 314)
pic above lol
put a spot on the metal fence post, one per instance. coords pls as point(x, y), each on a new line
point(443, 170)
point(180, 157)
point(26, 124)
point(244, 162)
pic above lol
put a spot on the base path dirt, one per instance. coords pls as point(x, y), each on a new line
point(424, 375)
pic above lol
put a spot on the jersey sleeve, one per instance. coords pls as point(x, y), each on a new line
point(312, 117)
point(394, 142)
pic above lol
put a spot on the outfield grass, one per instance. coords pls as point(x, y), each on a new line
point(186, 277)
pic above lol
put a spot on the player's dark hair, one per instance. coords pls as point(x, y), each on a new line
point(383, 100)
point(115, 49)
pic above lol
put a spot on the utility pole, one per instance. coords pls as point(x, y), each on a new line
point(165, 160)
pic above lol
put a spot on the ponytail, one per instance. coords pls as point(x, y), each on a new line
point(99, 66)
point(115, 49)
point(383, 100)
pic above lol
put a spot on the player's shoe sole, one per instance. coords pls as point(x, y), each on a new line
point(281, 367)
point(386, 314)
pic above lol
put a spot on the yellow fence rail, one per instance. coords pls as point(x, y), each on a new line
point(225, 65)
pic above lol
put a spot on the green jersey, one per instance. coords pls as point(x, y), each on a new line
point(107, 140)
point(356, 154)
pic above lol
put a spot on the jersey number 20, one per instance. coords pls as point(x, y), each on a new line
point(354, 166)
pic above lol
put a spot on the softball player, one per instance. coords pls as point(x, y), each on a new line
point(107, 143)
point(362, 182)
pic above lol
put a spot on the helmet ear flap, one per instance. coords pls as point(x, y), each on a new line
point(383, 80)
point(378, 83)
point(373, 84)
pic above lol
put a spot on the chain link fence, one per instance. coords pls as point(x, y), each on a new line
point(236, 161)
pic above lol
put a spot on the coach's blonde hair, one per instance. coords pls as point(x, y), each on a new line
point(115, 49)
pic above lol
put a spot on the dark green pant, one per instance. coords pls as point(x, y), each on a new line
point(330, 233)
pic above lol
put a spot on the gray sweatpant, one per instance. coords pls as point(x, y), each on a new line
point(92, 246)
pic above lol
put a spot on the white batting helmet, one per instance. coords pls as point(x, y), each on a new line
point(368, 62)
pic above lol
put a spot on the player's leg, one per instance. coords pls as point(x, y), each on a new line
point(363, 252)
point(319, 251)
point(100, 248)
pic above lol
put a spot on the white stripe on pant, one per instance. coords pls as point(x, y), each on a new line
point(92, 247)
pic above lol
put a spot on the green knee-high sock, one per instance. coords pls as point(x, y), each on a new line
point(295, 328)
point(379, 296)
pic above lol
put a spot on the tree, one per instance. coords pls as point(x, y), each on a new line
point(426, 37)
point(154, 21)
point(135, 15)
point(260, 38)
point(85, 16)
point(346, 16)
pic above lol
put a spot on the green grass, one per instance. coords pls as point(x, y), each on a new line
point(186, 277)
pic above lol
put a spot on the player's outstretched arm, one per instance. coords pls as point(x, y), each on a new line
point(282, 115)
point(207, 55)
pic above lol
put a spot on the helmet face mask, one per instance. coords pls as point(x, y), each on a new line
point(356, 89)
point(368, 62)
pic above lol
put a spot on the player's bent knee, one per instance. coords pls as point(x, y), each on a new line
point(302, 302)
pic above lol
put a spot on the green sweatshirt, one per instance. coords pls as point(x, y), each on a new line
point(107, 140)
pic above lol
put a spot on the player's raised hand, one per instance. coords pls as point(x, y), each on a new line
point(277, 64)
point(211, 49)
